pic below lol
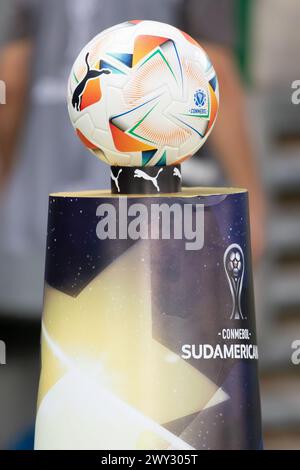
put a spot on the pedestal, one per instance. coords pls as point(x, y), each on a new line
point(148, 334)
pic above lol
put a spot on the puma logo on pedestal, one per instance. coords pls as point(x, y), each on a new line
point(116, 178)
point(153, 179)
point(177, 173)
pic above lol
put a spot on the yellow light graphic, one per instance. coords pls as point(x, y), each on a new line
point(106, 383)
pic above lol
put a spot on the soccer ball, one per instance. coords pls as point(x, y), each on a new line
point(143, 93)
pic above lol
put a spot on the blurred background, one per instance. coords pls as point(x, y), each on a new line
point(254, 45)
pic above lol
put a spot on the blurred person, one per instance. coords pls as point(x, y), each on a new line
point(39, 150)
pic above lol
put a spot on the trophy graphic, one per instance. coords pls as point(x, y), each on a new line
point(135, 306)
point(234, 268)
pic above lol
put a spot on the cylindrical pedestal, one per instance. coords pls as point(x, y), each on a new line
point(148, 335)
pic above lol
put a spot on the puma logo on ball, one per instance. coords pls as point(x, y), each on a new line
point(90, 74)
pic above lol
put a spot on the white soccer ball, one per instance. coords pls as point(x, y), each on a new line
point(143, 93)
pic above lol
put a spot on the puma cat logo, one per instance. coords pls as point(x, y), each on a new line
point(116, 178)
point(90, 74)
point(153, 179)
point(177, 173)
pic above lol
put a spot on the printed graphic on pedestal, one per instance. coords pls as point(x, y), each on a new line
point(137, 345)
point(234, 268)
